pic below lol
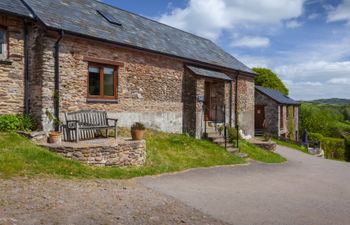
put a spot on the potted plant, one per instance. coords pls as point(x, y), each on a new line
point(54, 136)
point(137, 131)
point(267, 137)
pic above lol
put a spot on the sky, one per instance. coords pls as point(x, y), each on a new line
point(306, 42)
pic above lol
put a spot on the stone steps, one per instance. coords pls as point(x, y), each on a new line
point(215, 137)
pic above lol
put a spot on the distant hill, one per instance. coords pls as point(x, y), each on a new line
point(333, 101)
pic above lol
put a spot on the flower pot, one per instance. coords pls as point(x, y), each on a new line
point(54, 137)
point(137, 134)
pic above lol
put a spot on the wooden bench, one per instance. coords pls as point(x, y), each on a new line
point(84, 124)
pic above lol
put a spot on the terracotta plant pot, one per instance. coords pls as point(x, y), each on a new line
point(54, 137)
point(137, 134)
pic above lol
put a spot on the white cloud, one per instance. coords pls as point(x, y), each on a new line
point(317, 79)
point(251, 42)
point(253, 61)
point(293, 24)
point(340, 81)
point(313, 16)
point(211, 17)
point(340, 13)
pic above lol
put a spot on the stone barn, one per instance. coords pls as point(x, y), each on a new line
point(276, 114)
point(66, 55)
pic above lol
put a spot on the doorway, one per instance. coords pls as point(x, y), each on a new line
point(259, 117)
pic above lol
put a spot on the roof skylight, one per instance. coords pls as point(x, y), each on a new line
point(110, 18)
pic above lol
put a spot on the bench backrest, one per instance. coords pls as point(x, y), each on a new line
point(88, 117)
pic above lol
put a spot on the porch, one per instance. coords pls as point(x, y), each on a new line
point(208, 100)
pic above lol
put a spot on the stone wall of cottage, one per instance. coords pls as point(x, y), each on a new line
point(149, 85)
point(12, 68)
point(245, 104)
point(271, 112)
point(273, 116)
point(152, 89)
point(246, 109)
point(189, 103)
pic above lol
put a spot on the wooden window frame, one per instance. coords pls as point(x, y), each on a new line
point(5, 45)
point(101, 71)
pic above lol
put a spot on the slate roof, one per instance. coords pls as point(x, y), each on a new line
point(15, 7)
point(208, 73)
point(81, 17)
point(277, 96)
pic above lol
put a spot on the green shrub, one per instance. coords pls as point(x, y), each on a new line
point(232, 135)
point(17, 122)
point(315, 136)
point(334, 148)
point(347, 149)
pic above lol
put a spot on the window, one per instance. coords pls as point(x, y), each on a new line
point(102, 81)
point(109, 17)
point(3, 43)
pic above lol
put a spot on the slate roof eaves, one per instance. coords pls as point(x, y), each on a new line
point(169, 40)
point(209, 73)
point(15, 8)
point(276, 96)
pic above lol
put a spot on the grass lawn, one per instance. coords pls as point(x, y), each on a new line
point(165, 153)
point(294, 146)
point(260, 154)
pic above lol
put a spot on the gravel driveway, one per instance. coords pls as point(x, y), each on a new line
point(104, 202)
point(305, 191)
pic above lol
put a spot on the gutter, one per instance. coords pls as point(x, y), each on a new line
point(231, 103)
point(26, 70)
point(236, 109)
point(57, 79)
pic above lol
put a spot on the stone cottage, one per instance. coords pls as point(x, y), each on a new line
point(276, 114)
point(67, 55)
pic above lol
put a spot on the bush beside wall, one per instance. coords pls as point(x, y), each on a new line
point(17, 122)
point(232, 134)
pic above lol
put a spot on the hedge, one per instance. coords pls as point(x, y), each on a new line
point(334, 148)
point(347, 149)
point(315, 136)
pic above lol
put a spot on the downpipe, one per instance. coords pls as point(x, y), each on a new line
point(57, 79)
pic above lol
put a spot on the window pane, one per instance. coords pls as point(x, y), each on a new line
point(108, 81)
point(94, 81)
point(2, 36)
point(2, 40)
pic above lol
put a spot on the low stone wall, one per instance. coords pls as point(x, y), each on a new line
point(269, 145)
point(103, 152)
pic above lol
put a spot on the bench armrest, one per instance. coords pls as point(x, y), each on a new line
point(115, 121)
point(72, 123)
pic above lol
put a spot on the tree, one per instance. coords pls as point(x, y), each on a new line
point(267, 78)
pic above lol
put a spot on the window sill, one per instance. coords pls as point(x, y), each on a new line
point(104, 101)
point(5, 62)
